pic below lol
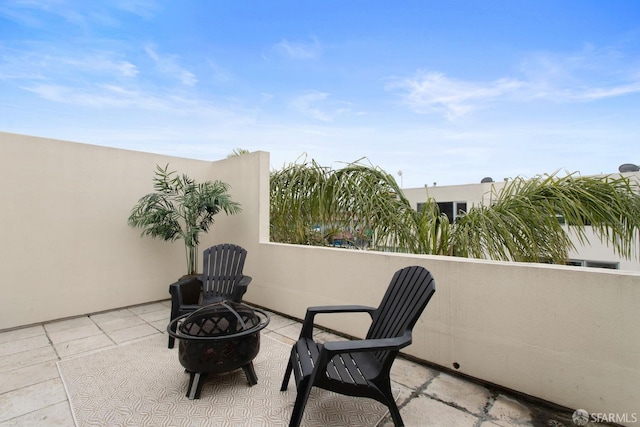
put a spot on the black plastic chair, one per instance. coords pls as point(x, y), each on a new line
point(361, 367)
point(221, 280)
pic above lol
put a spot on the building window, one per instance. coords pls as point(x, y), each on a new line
point(603, 264)
point(452, 209)
point(594, 264)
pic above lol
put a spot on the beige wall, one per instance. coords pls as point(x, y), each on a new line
point(66, 246)
point(567, 335)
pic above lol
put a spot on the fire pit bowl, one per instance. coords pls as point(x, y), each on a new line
point(218, 338)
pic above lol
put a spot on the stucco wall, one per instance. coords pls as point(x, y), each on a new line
point(66, 246)
point(567, 335)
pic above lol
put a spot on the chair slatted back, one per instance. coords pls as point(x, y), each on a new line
point(221, 271)
point(410, 290)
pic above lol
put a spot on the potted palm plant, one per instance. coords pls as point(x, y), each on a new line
point(181, 208)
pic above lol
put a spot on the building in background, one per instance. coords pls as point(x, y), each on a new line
point(454, 200)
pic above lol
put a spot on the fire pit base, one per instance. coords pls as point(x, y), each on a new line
point(197, 380)
point(217, 338)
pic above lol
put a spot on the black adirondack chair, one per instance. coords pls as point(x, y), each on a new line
point(361, 367)
point(221, 280)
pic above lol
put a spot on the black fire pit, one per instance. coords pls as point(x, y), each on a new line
point(218, 338)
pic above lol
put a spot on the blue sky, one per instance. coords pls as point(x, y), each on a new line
point(446, 91)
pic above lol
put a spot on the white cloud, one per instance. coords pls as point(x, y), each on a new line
point(609, 92)
point(585, 76)
point(36, 13)
point(435, 92)
point(319, 106)
point(307, 104)
point(298, 50)
point(218, 73)
point(97, 96)
point(168, 65)
point(111, 96)
point(143, 8)
point(44, 63)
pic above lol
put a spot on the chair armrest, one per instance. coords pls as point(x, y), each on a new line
point(356, 346)
point(245, 281)
point(240, 288)
point(340, 309)
point(186, 291)
point(307, 325)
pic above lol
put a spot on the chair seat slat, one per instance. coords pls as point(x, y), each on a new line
point(345, 369)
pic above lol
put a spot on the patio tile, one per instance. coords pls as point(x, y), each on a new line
point(121, 323)
point(323, 336)
point(491, 424)
point(147, 308)
point(402, 394)
point(422, 411)
point(153, 316)
point(72, 334)
point(58, 415)
point(28, 399)
point(283, 339)
point(160, 325)
point(509, 423)
point(129, 334)
point(31, 357)
point(109, 316)
point(411, 374)
point(83, 345)
point(459, 392)
point(509, 410)
point(26, 344)
point(290, 331)
point(28, 375)
point(277, 322)
point(31, 392)
point(62, 325)
point(19, 334)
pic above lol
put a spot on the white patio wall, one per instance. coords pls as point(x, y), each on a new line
point(66, 247)
point(567, 335)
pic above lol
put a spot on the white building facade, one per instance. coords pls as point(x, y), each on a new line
point(454, 199)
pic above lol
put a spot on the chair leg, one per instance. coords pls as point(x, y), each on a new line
point(395, 414)
point(304, 389)
point(173, 329)
point(287, 375)
point(391, 404)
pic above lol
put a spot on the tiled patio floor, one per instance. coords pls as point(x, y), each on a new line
point(32, 394)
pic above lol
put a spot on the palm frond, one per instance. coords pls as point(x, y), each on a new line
point(181, 208)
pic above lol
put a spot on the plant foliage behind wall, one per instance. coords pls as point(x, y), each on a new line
point(360, 206)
